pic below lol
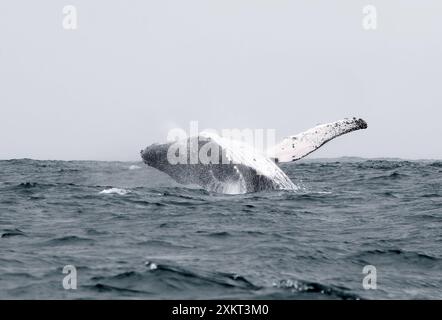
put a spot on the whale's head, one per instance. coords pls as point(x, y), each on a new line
point(154, 155)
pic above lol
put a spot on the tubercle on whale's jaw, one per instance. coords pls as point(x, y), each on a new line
point(142, 155)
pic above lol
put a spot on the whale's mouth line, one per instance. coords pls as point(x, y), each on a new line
point(233, 167)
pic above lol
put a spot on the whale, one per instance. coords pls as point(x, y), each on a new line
point(222, 165)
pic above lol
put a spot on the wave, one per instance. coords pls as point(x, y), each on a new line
point(12, 233)
point(31, 186)
point(28, 185)
point(380, 164)
point(216, 234)
point(300, 286)
point(99, 287)
point(390, 176)
point(169, 281)
point(436, 164)
point(69, 240)
point(162, 244)
point(398, 255)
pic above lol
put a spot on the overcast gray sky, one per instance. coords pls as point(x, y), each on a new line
point(135, 69)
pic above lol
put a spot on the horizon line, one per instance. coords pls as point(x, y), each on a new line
point(304, 159)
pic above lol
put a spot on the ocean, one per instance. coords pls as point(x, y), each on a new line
point(131, 232)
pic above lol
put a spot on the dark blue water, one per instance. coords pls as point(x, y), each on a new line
point(152, 238)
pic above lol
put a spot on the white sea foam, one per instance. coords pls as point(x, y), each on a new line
point(234, 187)
point(119, 191)
point(151, 265)
point(134, 167)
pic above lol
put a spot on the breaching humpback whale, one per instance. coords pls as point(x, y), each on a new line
point(235, 167)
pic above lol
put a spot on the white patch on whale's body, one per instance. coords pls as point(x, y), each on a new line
point(240, 153)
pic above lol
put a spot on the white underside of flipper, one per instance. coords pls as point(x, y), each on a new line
point(295, 147)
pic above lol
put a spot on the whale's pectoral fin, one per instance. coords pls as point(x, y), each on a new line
point(295, 147)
